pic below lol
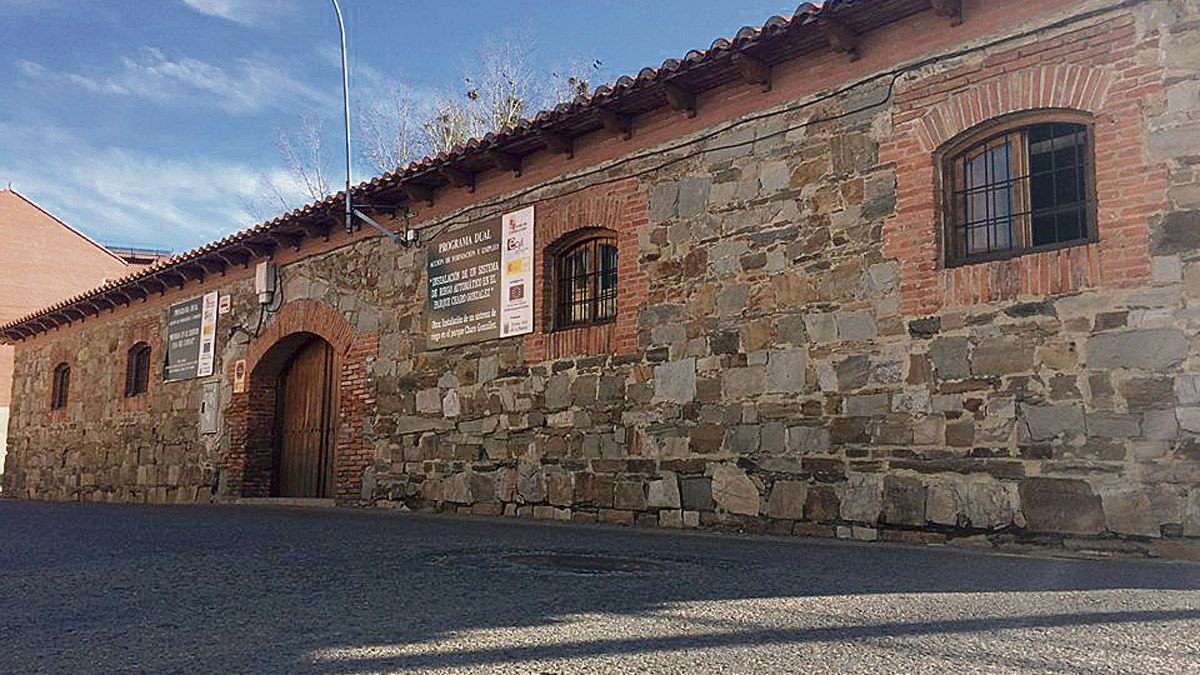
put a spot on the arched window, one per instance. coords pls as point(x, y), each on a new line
point(137, 370)
point(59, 386)
point(585, 279)
point(1022, 185)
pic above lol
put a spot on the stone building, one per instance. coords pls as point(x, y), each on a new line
point(37, 248)
point(897, 269)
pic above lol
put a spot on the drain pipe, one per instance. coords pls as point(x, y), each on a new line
point(346, 109)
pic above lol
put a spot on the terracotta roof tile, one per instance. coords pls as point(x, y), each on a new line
point(805, 16)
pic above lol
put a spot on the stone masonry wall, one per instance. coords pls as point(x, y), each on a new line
point(792, 355)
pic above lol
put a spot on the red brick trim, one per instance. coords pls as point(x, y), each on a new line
point(150, 333)
point(621, 208)
point(251, 415)
point(935, 111)
point(1063, 86)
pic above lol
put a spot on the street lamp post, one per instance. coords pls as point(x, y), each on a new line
point(346, 110)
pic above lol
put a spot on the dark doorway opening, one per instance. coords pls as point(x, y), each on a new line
point(306, 414)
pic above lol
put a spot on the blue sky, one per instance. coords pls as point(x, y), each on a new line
point(154, 122)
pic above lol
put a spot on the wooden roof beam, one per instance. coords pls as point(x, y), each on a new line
point(949, 8)
point(617, 123)
point(212, 264)
point(841, 38)
point(505, 161)
point(557, 143)
point(753, 70)
point(458, 177)
point(419, 193)
point(190, 272)
point(680, 99)
point(317, 230)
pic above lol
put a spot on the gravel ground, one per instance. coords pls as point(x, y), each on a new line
point(106, 589)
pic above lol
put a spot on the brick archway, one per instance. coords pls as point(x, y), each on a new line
point(251, 415)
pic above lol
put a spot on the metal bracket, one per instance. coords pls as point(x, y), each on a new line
point(401, 239)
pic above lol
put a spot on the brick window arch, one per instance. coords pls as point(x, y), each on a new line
point(137, 370)
point(584, 271)
point(1019, 184)
point(60, 386)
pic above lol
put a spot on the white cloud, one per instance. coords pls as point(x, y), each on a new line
point(246, 12)
point(121, 196)
point(247, 85)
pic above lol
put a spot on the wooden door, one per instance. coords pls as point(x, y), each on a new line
point(307, 418)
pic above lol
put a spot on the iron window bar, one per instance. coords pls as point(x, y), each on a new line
point(586, 283)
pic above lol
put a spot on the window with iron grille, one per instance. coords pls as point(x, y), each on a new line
point(1018, 188)
point(585, 281)
point(59, 386)
point(137, 370)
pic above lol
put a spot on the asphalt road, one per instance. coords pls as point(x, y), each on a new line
point(107, 589)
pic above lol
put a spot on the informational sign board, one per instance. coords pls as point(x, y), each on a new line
point(191, 338)
point(481, 281)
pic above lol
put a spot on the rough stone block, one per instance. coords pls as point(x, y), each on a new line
point(1045, 422)
point(1061, 505)
point(1189, 419)
point(531, 483)
point(693, 195)
point(629, 494)
point(675, 381)
point(821, 505)
point(950, 358)
point(429, 400)
point(1001, 356)
point(1127, 511)
point(857, 327)
point(787, 500)
point(1151, 392)
point(853, 372)
point(903, 500)
point(820, 327)
point(1153, 349)
point(1187, 389)
point(808, 439)
point(786, 371)
point(867, 405)
point(1160, 425)
point(1113, 425)
point(734, 491)
point(1179, 233)
point(739, 383)
point(663, 493)
point(663, 199)
point(696, 493)
point(861, 497)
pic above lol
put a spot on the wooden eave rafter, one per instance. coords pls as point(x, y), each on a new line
point(505, 161)
point(211, 264)
point(841, 38)
point(949, 8)
point(457, 177)
point(680, 99)
point(558, 143)
point(753, 70)
point(419, 193)
point(617, 122)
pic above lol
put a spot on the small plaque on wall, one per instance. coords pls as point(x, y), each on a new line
point(239, 376)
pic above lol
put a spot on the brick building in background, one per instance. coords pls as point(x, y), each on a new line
point(42, 260)
point(904, 269)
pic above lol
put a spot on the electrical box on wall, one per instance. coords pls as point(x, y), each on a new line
point(210, 405)
point(265, 279)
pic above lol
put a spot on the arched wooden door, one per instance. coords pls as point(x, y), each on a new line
point(307, 417)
